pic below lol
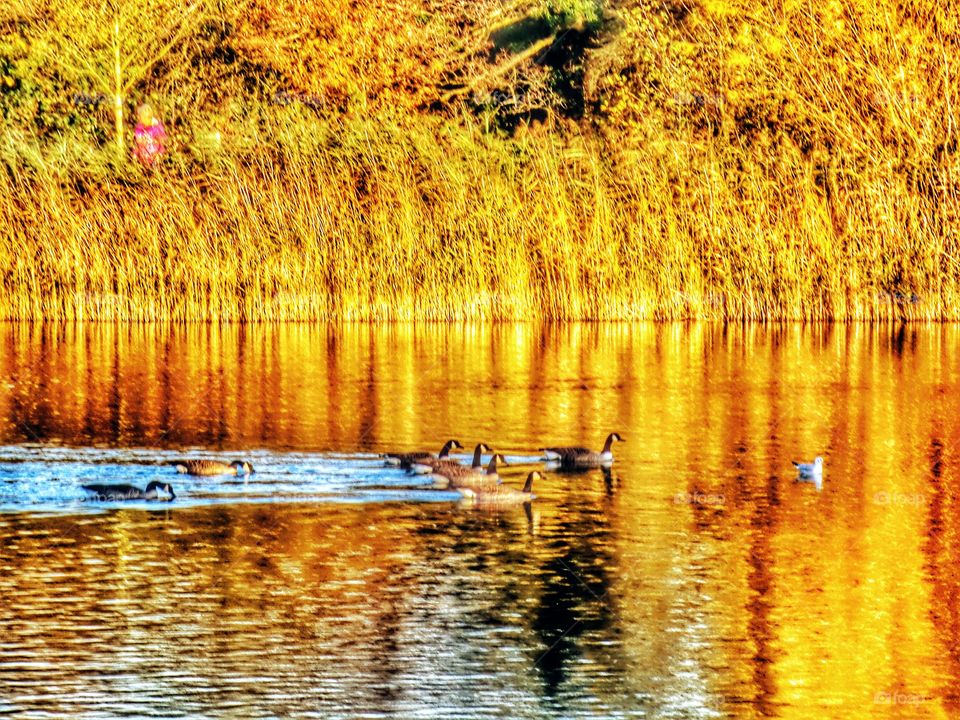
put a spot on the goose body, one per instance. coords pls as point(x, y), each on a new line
point(432, 465)
point(129, 492)
point(572, 458)
point(463, 477)
point(502, 494)
point(406, 460)
point(212, 467)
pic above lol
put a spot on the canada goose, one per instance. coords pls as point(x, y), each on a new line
point(212, 467)
point(429, 465)
point(129, 492)
point(503, 493)
point(405, 460)
point(570, 458)
point(461, 476)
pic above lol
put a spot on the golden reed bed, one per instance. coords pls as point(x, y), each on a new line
point(754, 161)
point(429, 231)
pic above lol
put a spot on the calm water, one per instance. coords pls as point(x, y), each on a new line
point(696, 580)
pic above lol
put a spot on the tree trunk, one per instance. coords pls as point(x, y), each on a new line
point(117, 89)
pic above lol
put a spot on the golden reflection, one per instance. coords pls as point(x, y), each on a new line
point(698, 576)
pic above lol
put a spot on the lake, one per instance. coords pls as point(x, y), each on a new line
point(698, 578)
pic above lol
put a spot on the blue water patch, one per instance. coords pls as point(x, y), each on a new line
point(50, 479)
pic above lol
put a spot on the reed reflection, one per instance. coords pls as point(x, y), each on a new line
point(698, 577)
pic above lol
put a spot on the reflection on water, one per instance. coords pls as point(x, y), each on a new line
point(697, 580)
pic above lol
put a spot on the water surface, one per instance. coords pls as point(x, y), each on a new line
point(697, 579)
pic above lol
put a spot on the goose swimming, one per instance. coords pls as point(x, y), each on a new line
point(129, 492)
point(432, 465)
point(405, 460)
point(503, 494)
point(573, 458)
point(212, 467)
point(460, 476)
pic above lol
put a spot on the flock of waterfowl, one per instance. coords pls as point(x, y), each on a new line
point(207, 468)
point(483, 484)
point(477, 482)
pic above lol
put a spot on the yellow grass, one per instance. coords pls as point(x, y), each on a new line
point(813, 174)
point(456, 226)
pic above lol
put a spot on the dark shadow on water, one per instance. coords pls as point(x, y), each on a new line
point(574, 603)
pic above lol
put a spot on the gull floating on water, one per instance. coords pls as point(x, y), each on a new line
point(811, 472)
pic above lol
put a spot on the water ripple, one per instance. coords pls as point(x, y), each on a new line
point(47, 480)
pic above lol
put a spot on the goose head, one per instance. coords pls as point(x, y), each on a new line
point(497, 458)
point(535, 476)
point(450, 445)
point(151, 491)
point(611, 439)
point(242, 466)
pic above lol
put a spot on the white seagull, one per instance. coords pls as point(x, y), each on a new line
point(811, 472)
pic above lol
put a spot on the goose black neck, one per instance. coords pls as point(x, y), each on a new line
point(157, 485)
point(477, 456)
